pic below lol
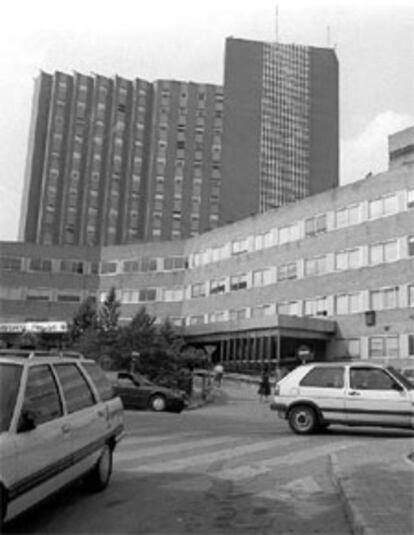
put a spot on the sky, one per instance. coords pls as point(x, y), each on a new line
point(184, 40)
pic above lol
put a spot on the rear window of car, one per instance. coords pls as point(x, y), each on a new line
point(324, 377)
point(10, 375)
point(76, 390)
point(103, 386)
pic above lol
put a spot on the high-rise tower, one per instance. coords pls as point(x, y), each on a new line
point(280, 132)
point(114, 161)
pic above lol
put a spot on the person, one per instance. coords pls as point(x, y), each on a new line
point(264, 386)
point(218, 373)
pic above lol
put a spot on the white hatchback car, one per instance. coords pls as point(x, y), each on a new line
point(59, 420)
point(315, 395)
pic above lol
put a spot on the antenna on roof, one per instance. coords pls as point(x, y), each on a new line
point(328, 35)
point(277, 23)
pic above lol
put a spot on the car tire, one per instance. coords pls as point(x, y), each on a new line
point(302, 419)
point(158, 403)
point(98, 479)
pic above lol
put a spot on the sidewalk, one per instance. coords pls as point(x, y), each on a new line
point(377, 487)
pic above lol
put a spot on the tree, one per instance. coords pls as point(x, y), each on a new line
point(109, 312)
point(84, 319)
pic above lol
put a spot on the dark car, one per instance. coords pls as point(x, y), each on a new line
point(137, 392)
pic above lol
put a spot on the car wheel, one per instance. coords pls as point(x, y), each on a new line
point(158, 403)
point(302, 419)
point(99, 478)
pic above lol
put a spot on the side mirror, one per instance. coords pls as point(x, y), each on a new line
point(27, 421)
point(397, 387)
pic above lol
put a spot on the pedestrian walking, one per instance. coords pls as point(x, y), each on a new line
point(218, 372)
point(264, 386)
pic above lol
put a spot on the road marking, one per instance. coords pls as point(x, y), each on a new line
point(134, 440)
point(207, 458)
point(175, 448)
point(295, 458)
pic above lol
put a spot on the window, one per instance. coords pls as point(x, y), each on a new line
point(174, 263)
point(347, 216)
point(41, 396)
point(173, 294)
point(76, 390)
point(217, 286)
point(240, 246)
point(196, 320)
point(108, 268)
point(289, 308)
point(383, 252)
point(287, 271)
point(383, 346)
point(38, 294)
point(262, 310)
point(148, 264)
point(288, 234)
point(198, 290)
point(410, 198)
point(10, 263)
point(383, 206)
point(324, 377)
point(238, 314)
point(316, 307)
point(131, 266)
point(71, 266)
point(411, 345)
point(262, 277)
point(411, 246)
point(238, 282)
point(148, 294)
point(370, 379)
point(315, 225)
point(349, 259)
point(101, 383)
point(40, 264)
point(384, 298)
point(347, 304)
point(411, 295)
point(68, 298)
point(315, 266)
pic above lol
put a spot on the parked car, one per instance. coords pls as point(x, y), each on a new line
point(59, 421)
point(315, 395)
point(408, 372)
point(137, 392)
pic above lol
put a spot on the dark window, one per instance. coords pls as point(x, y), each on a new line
point(41, 396)
point(324, 377)
point(40, 264)
point(371, 379)
point(101, 383)
point(10, 263)
point(9, 387)
point(411, 245)
point(76, 390)
point(411, 344)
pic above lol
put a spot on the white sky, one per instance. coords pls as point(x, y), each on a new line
point(184, 40)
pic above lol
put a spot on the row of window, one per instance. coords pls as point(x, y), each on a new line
point(344, 217)
point(375, 254)
point(49, 265)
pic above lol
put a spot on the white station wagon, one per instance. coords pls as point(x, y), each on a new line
point(59, 421)
point(315, 395)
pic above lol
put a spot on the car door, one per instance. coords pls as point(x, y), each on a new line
point(325, 387)
point(87, 417)
point(43, 440)
point(132, 393)
point(374, 397)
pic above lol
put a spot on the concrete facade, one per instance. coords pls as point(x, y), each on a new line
point(333, 272)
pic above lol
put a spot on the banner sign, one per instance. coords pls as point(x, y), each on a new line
point(34, 327)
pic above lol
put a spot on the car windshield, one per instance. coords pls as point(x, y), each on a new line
point(9, 386)
point(398, 375)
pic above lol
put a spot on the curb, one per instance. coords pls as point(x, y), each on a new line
point(350, 500)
